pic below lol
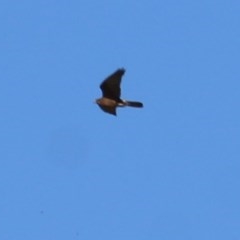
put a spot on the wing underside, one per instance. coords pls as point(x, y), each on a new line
point(111, 85)
point(110, 110)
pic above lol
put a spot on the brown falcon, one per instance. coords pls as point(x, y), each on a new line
point(111, 93)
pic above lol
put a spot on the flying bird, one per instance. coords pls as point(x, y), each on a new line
point(111, 92)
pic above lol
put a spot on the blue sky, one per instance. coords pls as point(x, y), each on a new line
point(167, 171)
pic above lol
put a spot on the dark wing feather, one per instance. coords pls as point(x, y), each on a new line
point(110, 110)
point(111, 85)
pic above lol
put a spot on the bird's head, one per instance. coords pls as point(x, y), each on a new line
point(97, 101)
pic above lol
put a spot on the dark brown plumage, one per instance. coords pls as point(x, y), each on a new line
point(111, 93)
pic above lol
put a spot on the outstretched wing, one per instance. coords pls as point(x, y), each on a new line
point(110, 110)
point(111, 85)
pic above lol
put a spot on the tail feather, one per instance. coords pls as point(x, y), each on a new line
point(134, 104)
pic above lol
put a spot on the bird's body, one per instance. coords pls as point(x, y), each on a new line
point(111, 93)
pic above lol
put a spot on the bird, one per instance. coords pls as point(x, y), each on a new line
point(111, 93)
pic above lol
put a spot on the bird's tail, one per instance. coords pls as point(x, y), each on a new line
point(134, 104)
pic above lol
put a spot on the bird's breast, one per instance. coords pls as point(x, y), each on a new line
point(107, 102)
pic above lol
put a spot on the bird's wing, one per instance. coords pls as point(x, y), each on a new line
point(110, 110)
point(111, 85)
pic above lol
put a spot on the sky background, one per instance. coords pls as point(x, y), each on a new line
point(169, 171)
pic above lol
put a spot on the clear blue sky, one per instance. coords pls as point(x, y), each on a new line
point(169, 171)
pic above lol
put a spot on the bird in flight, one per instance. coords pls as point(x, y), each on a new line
point(111, 93)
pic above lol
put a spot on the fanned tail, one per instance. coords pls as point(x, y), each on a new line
point(134, 104)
